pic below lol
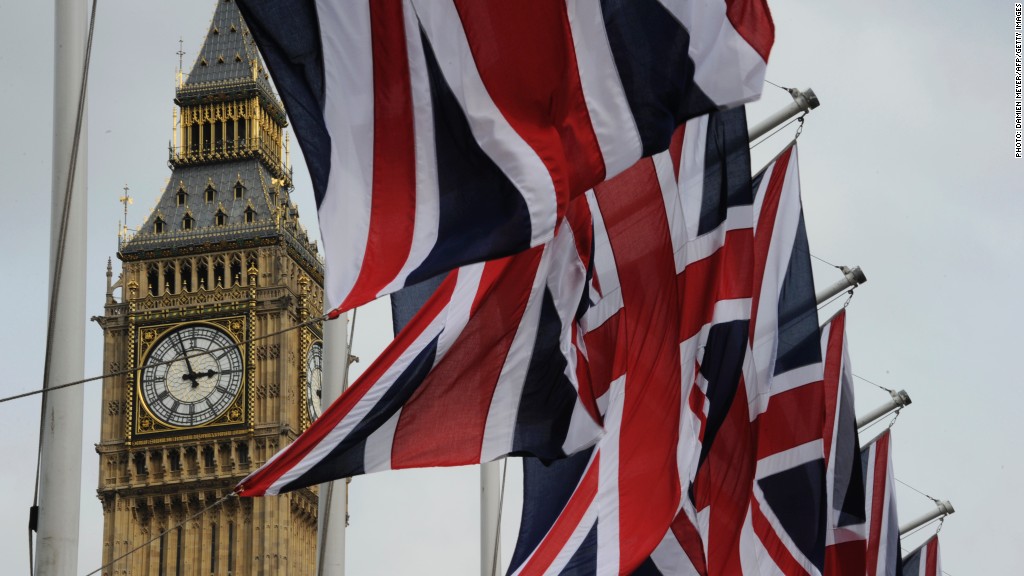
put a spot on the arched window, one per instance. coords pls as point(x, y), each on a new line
point(239, 189)
point(187, 222)
point(158, 225)
point(250, 215)
point(182, 196)
point(211, 194)
point(220, 218)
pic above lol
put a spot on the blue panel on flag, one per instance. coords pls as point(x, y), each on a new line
point(799, 334)
point(548, 398)
point(406, 302)
point(476, 199)
point(797, 499)
point(722, 367)
point(296, 58)
point(647, 41)
point(546, 490)
point(726, 168)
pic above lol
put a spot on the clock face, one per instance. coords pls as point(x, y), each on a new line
point(191, 376)
point(314, 377)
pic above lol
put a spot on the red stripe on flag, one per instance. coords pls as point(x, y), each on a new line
point(454, 399)
point(880, 456)
point(778, 551)
point(259, 482)
point(582, 500)
point(765, 230)
point(393, 203)
point(608, 364)
point(845, 559)
point(675, 149)
point(753, 22)
point(724, 482)
point(689, 541)
point(833, 378)
point(639, 234)
point(793, 418)
point(724, 275)
point(525, 56)
point(932, 560)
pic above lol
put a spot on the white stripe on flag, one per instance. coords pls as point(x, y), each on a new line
point(348, 61)
point(610, 114)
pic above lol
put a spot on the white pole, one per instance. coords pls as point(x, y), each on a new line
point(802, 102)
point(852, 277)
point(60, 460)
point(333, 506)
point(899, 400)
point(943, 508)
point(490, 500)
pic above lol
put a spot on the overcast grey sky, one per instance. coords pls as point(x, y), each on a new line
point(907, 170)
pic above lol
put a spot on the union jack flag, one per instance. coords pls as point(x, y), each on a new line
point(847, 531)
point(444, 132)
point(673, 239)
point(883, 546)
point(759, 495)
point(925, 560)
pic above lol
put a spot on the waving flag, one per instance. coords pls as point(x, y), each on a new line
point(883, 547)
point(846, 534)
point(485, 369)
point(444, 132)
point(925, 560)
point(673, 286)
point(759, 494)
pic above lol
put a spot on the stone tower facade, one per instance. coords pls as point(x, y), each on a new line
point(214, 369)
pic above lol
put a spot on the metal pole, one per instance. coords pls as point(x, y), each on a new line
point(490, 498)
point(802, 102)
point(852, 277)
point(899, 400)
point(333, 504)
point(942, 509)
point(60, 459)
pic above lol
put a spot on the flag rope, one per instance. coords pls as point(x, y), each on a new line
point(217, 502)
point(44, 391)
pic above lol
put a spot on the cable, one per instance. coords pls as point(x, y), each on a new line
point(218, 502)
point(776, 85)
point(932, 498)
point(324, 318)
point(826, 262)
point(859, 377)
point(58, 267)
point(777, 130)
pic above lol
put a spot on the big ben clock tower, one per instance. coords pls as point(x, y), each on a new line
point(218, 364)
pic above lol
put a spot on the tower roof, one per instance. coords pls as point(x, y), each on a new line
point(228, 64)
point(228, 185)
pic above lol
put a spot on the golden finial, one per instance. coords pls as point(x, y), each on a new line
point(126, 200)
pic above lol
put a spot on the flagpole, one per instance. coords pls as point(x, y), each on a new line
point(899, 401)
point(802, 102)
point(333, 501)
point(942, 509)
point(60, 451)
point(490, 502)
point(852, 277)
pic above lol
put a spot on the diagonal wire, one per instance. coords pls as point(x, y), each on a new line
point(216, 503)
point(44, 391)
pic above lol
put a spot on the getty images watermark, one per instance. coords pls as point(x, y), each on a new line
point(1017, 45)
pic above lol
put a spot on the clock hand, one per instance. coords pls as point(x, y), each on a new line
point(191, 376)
